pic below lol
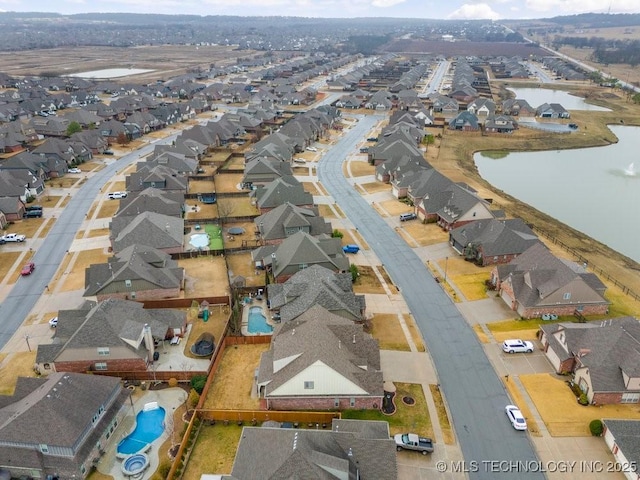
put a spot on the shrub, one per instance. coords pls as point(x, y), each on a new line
point(173, 382)
point(337, 234)
point(596, 428)
point(194, 397)
point(354, 272)
point(583, 399)
point(198, 382)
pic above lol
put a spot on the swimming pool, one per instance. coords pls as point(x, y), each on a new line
point(258, 322)
point(149, 426)
point(199, 240)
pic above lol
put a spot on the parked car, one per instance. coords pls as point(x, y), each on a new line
point(515, 417)
point(372, 139)
point(28, 269)
point(117, 195)
point(32, 214)
point(411, 441)
point(29, 208)
point(108, 152)
point(364, 150)
point(14, 237)
point(351, 248)
point(515, 345)
point(74, 170)
point(408, 216)
point(53, 322)
point(312, 149)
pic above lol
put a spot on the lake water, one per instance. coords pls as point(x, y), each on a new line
point(109, 73)
point(538, 96)
point(594, 190)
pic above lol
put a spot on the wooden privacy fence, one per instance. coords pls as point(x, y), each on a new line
point(253, 417)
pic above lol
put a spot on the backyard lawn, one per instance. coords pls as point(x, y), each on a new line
point(214, 450)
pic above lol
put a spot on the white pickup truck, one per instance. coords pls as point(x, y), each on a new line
point(14, 237)
point(411, 441)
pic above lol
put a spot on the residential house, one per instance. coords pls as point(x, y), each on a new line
point(137, 272)
point(60, 426)
point(165, 202)
point(262, 171)
point(283, 189)
point(113, 335)
point(394, 147)
point(499, 124)
point(603, 357)
point(517, 107)
point(465, 121)
point(491, 241)
point(623, 439)
point(454, 206)
point(57, 149)
point(298, 252)
point(537, 282)
point(12, 208)
point(552, 110)
point(320, 361)
point(316, 285)
point(155, 175)
point(482, 107)
point(286, 220)
point(352, 449)
point(164, 232)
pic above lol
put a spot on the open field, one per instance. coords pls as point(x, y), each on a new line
point(68, 60)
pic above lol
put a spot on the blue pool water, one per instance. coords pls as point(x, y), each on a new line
point(149, 426)
point(258, 322)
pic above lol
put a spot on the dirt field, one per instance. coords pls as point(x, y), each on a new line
point(206, 276)
point(69, 60)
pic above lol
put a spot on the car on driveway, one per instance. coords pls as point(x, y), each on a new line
point(312, 149)
point(28, 269)
point(117, 195)
point(351, 248)
point(515, 417)
point(515, 345)
point(53, 322)
point(14, 237)
point(74, 170)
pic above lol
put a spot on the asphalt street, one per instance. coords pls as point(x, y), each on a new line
point(475, 395)
point(50, 251)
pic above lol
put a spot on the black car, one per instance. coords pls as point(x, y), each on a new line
point(30, 208)
point(32, 214)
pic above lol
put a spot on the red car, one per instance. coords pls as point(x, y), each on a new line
point(28, 268)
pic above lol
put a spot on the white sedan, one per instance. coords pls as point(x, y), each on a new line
point(75, 170)
point(515, 417)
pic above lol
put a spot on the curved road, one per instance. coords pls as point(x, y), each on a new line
point(50, 252)
point(475, 395)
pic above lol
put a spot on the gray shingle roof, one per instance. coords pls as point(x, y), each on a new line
point(276, 454)
point(627, 437)
point(320, 336)
point(496, 237)
point(316, 285)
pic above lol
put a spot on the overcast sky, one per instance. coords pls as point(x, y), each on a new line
point(448, 9)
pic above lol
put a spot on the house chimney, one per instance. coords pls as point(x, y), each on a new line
point(148, 341)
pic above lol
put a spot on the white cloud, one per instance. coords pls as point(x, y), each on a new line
point(386, 3)
point(570, 7)
point(474, 12)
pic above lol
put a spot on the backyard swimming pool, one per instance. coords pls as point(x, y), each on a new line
point(149, 426)
point(199, 240)
point(258, 322)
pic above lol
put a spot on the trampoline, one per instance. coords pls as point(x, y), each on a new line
point(235, 231)
point(204, 346)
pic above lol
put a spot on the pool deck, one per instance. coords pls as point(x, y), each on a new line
point(244, 327)
point(169, 399)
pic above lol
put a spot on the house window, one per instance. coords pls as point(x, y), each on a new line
point(103, 351)
point(567, 296)
point(303, 266)
point(352, 402)
point(44, 448)
point(133, 295)
point(127, 283)
point(101, 366)
point(630, 398)
point(308, 385)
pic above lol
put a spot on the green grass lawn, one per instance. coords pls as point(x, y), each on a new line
point(215, 235)
point(407, 418)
